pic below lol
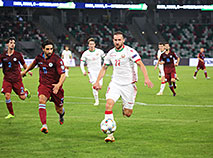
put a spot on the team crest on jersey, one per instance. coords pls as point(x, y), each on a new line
point(97, 54)
point(50, 64)
point(123, 56)
point(14, 59)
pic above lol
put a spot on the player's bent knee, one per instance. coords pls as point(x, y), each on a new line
point(7, 96)
point(109, 104)
point(42, 99)
point(22, 97)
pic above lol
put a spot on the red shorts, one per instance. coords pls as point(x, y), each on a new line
point(17, 87)
point(201, 66)
point(169, 76)
point(58, 98)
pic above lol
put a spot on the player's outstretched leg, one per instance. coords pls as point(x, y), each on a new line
point(44, 129)
point(163, 84)
point(109, 138)
point(195, 74)
point(9, 106)
point(61, 117)
point(172, 88)
point(205, 73)
point(109, 115)
point(43, 115)
point(95, 94)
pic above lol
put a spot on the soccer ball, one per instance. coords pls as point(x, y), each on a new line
point(108, 126)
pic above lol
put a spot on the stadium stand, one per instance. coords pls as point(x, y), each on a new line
point(103, 34)
point(19, 28)
point(188, 38)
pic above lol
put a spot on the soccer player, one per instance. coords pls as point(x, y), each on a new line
point(51, 79)
point(167, 59)
point(66, 56)
point(161, 69)
point(12, 75)
point(124, 60)
point(93, 57)
point(201, 64)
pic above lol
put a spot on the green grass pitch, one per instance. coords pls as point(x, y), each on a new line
point(160, 127)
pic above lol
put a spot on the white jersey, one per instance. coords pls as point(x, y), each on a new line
point(93, 59)
point(124, 66)
point(66, 54)
point(159, 53)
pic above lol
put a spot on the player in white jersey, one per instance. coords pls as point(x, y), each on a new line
point(161, 69)
point(124, 60)
point(93, 57)
point(66, 56)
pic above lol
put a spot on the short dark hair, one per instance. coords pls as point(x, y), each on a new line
point(166, 43)
point(161, 43)
point(118, 33)
point(10, 39)
point(47, 42)
point(91, 40)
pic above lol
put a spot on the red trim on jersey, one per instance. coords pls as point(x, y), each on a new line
point(137, 60)
point(108, 112)
point(163, 82)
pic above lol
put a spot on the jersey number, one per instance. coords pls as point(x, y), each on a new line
point(117, 63)
point(45, 70)
point(9, 64)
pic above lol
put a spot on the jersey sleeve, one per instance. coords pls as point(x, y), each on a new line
point(83, 57)
point(60, 66)
point(107, 60)
point(35, 61)
point(175, 55)
point(21, 59)
point(134, 56)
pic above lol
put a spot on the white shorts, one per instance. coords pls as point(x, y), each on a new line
point(93, 77)
point(127, 94)
point(161, 70)
point(66, 62)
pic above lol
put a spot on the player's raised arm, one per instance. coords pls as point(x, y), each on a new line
point(100, 76)
point(143, 69)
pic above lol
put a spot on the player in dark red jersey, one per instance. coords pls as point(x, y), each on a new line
point(201, 64)
point(51, 79)
point(12, 75)
point(167, 58)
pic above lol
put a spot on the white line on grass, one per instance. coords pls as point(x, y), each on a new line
point(90, 98)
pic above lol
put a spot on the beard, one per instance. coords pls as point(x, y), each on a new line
point(118, 47)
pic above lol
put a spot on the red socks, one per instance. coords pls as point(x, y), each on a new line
point(42, 113)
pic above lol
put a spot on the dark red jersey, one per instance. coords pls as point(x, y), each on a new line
point(201, 56)
point(50, 69)
point(169, 61)
point(11, 66)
